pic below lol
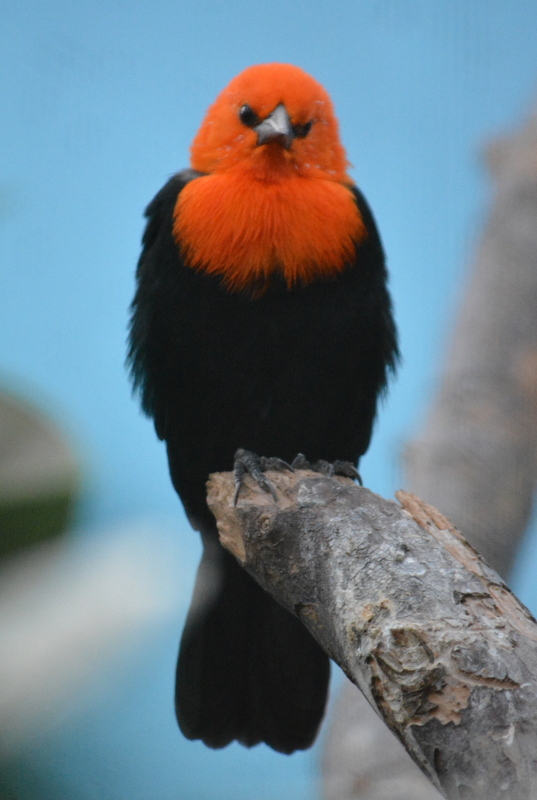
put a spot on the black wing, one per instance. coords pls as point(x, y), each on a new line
point(146, 356)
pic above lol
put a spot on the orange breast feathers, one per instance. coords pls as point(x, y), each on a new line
point(275, 196)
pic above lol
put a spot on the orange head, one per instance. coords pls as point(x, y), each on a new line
point(271, 98)
point(275, 196)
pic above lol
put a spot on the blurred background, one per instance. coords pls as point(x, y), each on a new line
point(100, 101)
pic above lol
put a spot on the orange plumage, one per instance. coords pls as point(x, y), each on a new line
point(269, 208)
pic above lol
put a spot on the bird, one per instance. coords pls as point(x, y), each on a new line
point(261, 323)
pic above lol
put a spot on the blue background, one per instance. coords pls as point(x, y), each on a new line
point(100, 101)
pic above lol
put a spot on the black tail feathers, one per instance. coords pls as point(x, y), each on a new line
point(247, 670)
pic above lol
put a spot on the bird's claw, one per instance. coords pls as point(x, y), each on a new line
point(344, 468)
point(246, 462)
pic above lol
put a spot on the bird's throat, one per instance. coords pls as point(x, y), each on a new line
point(247, 229)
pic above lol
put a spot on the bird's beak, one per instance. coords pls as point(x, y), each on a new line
point(276, 128)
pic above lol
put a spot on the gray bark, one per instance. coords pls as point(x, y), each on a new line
point(416, 619)
point(475, 457)
point(363, 760)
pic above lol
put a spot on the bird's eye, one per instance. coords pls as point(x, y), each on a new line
point(301, 131)
point(248, 116)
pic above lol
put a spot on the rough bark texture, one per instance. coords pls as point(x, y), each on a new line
point(475, 459)
point(363, 760)
point(415, 618)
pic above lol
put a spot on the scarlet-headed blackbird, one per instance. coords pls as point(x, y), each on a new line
point(261, 320)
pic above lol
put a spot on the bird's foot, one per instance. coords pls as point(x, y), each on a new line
point(246, 462)
point(328, 468)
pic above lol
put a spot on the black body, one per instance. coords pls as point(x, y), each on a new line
point(278, 372)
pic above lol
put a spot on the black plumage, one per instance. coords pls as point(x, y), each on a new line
point(278, 371)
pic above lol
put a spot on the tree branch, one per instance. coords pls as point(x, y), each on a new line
point(474, 457)
point(413, 615)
